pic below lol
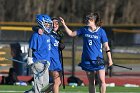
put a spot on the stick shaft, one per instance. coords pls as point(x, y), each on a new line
point(122, 66)
point(16, 60)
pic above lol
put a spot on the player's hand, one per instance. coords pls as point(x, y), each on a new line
point(37, 29)
point(61, 46)
point(62, 20)
point(110, 63)
point(40, 31)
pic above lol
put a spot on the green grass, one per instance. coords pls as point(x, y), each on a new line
point(69, 89)
point(109, 89)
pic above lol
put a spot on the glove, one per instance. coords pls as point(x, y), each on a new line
point(61, 46)
point(35, 28)
point(30, 61)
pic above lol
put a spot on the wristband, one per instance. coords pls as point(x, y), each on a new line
point(107, 51)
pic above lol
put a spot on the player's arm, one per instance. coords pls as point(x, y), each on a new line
point(108, 52)
point(30, 58)
point(32, 47)
point(30, 52)
point(68, 31)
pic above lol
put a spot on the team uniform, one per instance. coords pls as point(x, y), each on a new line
point(55, 53)
point(40, 44)
point(92, 48)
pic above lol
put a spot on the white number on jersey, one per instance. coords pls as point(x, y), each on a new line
point(56, 43)
point(90, 42)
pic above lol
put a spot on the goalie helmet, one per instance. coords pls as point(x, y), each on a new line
point(42, 20)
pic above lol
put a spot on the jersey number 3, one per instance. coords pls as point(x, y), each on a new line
point(90, 42)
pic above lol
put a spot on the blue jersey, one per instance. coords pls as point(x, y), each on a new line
point(92, 42)
point(54, 47)
point(92, 47)
point(41, 47)
point(55, 53)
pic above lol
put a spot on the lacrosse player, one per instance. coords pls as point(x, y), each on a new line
point(56, 47)
point(94, 40)
point(39, 54)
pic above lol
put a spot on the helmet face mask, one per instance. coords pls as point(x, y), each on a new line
point(48, 25)
point(45, 22)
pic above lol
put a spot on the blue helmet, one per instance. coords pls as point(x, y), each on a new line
point(42, 19)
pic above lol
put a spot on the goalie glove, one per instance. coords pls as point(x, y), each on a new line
point(30, 61)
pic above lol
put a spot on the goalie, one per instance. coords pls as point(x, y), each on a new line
point(39, 54)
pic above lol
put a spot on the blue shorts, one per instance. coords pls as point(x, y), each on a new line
point(91, 66)
point(55, 65)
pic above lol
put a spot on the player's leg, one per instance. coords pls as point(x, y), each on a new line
point(37, 79)
point(91, 79)
point(48, 88)
point(41, 77)
point(102, 84)
point(57, 81)
point(45, 77)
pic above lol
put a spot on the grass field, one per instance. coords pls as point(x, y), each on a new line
point(69, 89)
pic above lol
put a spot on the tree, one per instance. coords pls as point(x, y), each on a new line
point(112, 11)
